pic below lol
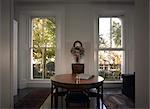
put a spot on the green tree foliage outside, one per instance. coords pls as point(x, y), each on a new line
point(106, 56)
point(44, 44)
point(116, 33)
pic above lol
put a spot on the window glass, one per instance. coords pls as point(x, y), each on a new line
point(110, 64)
point(110, 33)
point(43, 47)
point(111, 50)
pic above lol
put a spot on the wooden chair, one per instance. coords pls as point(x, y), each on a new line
point(76, 96)
point(55, 93)
point(128, 85)
point(93, 93)
point(77, 68)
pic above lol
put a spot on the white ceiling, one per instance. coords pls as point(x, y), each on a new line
point(74, 1)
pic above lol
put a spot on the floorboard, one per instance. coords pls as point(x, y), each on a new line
point(62, 105)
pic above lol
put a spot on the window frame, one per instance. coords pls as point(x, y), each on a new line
point(59, 40)
point(31, 46)
point(123, 48)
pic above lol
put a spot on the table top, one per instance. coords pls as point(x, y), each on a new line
point(72, 80)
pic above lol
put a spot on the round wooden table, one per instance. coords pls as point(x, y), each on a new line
point(71, 83)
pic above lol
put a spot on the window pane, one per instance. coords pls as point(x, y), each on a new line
point(44, 32)
point(110, 33)
point(43, 47)
point(110, 64)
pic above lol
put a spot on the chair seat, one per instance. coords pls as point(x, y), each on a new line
point(92, 93)
point(77, 97)
point(61, 93)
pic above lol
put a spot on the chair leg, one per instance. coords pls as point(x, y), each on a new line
point(67, 105)
point(52, 96)
point(61, 101)
point(56, 99)
point(51, 101)
point(88, 104)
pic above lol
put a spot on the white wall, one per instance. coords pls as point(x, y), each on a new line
point(0, 55)
point(149, 50)
point(15, 56)
point(141, 54)
point(79, 23)
point(24, 38)
point(6, 74)
point(79, 26)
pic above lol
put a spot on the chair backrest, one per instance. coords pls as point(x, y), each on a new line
point(77, 68)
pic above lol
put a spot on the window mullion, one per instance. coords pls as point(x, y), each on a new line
point(112, 49)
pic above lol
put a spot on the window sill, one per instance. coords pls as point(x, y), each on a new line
point(115, 82)
point(39, 81)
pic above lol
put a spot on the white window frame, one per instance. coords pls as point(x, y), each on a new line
point(25, 35)
point(123, 65)
point(128, 33)
point(30, 41)
point(31, 45)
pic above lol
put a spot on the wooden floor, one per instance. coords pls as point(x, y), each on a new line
point(61, 105)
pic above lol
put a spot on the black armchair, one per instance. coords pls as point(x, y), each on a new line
point(128, 86)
